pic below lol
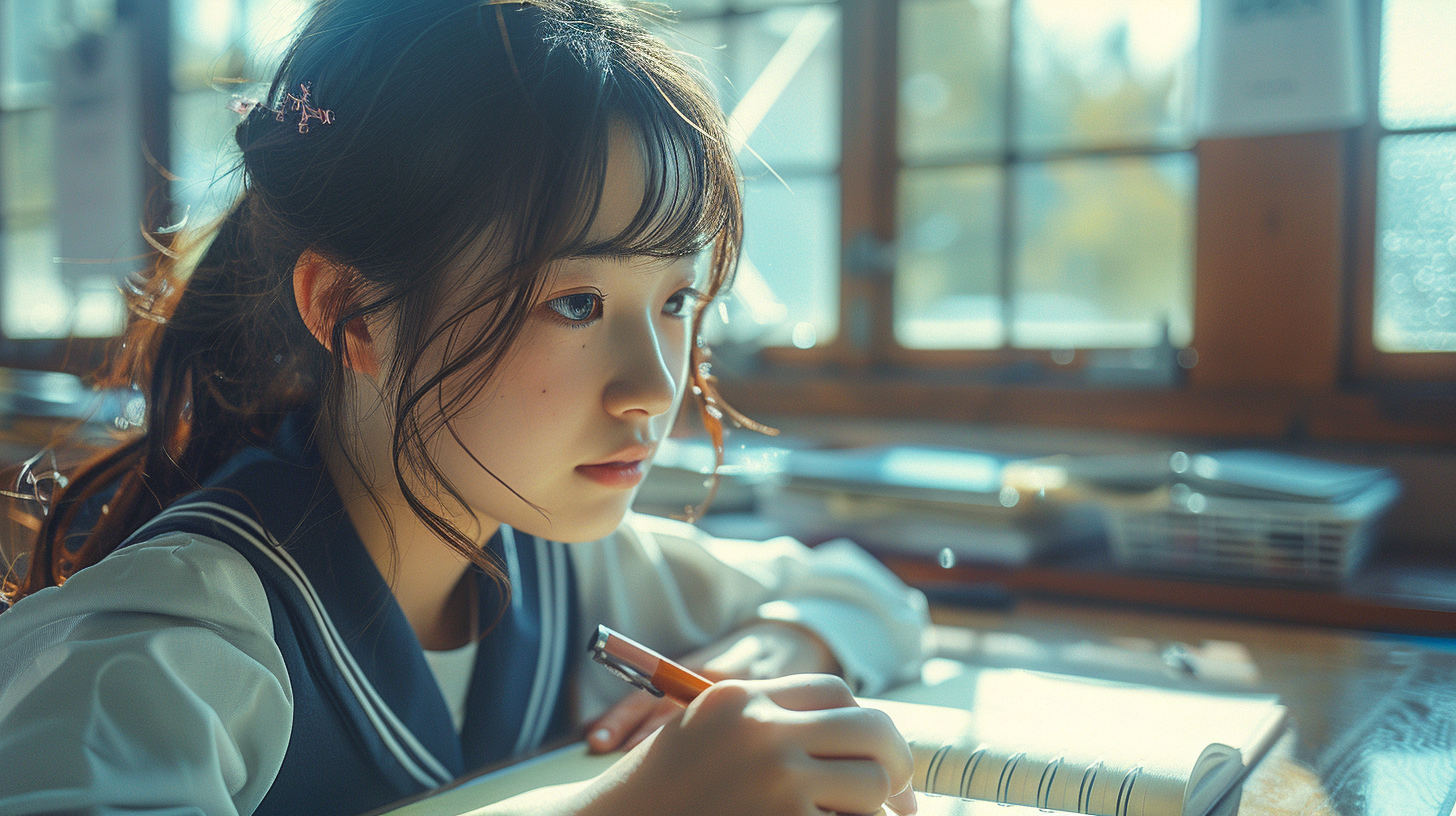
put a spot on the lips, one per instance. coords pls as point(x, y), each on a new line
point(624, 468)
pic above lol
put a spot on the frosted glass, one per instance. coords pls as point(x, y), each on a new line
point(952, 77)
point(1415, 251)
point(1418, 63)
point(1093, 73)
point(1104, 252)
point(947, 288)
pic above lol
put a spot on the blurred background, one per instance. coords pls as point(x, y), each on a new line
point(1027, 227)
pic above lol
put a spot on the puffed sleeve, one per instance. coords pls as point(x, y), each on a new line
point(149, 683)
point(677, 588)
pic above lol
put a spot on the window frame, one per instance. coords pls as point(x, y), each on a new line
point(1282, 269)
point(1315, 377)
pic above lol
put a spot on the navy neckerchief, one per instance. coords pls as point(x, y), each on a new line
point(370, 725)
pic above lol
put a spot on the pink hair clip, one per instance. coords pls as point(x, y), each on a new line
point(306, 111)
point(244, 105)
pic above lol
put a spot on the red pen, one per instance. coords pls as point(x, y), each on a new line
point(646, 669)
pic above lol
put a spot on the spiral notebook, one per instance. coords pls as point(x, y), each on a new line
point(1013, 743)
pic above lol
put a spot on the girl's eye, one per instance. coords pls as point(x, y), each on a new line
point(581, 307)
point(681, 302)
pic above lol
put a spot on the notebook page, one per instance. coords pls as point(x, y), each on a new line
point(1079, 744)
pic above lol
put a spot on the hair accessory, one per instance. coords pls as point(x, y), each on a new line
point(244, 105)
point(300, 103)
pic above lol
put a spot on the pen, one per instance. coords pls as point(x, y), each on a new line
point(646, 669)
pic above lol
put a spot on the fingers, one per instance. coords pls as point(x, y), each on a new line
point(808, 692)
point(655, 719)
point(860, 733)
point(904, 802)
point(857, 753)
point(847, 785)
point(626, 722)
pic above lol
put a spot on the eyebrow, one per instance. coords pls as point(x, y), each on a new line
point(610, 252)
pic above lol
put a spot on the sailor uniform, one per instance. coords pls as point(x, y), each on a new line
point(242, 654)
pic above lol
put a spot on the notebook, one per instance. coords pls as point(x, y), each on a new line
point(1012, 743)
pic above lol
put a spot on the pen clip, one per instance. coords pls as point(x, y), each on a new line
point(621, 668)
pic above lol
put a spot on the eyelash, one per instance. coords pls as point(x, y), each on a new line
point(561, 306)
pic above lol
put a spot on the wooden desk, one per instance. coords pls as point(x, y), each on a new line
point(1374, 718)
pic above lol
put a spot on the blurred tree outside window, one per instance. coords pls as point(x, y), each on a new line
point(1047, 185)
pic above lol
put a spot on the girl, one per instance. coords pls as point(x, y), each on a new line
point(440, 332)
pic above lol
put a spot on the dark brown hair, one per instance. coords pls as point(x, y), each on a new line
point(462, 130)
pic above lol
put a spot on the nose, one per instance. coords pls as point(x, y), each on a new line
point(646, 371)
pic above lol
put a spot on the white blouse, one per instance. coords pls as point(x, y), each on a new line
point(453, 669)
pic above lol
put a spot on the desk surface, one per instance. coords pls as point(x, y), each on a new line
point(1374, 718)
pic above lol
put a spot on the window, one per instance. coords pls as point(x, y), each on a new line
point(219, 48)
point(990, 198)
point(1415, 229)
point(776, 71)
point(1046, 190)
point(69, 130)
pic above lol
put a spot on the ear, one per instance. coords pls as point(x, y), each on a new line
point(320, 287)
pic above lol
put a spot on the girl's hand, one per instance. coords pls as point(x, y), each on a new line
point(758, 651)
point(794, 745)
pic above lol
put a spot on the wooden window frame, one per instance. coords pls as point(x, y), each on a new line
point(1284, 244)
point(1278, 299)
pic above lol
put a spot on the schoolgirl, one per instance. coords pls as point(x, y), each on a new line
point(399, 400)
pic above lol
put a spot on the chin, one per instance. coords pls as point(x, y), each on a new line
point(581, 525)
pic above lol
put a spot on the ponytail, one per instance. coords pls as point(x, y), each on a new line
point(221, 365)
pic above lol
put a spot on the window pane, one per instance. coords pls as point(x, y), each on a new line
point(783, 66)
point(947, 288)
point(1418, 63)
point(1104, 72)
point(1104, 252)
point(1415, 256)
point(35, 299)
point(952, 77)
point(787, 291)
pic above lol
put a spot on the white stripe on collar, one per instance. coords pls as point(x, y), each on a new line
point(546, 603)
point(411, 754)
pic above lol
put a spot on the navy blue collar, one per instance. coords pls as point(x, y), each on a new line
point(516, 699)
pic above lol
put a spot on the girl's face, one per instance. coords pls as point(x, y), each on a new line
point(573, 418)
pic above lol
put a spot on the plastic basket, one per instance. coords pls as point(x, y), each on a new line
point(1280, 540)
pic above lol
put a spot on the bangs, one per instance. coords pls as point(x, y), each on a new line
point(689, 190)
